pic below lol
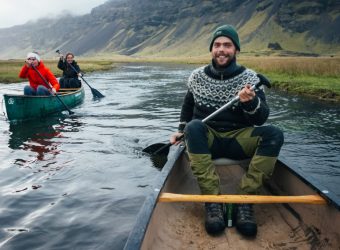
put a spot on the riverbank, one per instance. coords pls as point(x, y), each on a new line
point(312, 76)
point(9, 69)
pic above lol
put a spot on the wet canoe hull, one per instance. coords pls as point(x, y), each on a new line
point(180, 225)
point(21, 107)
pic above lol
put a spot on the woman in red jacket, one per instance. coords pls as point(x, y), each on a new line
point(37, 84)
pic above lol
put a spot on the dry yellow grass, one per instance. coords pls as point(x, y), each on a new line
point(307, 66)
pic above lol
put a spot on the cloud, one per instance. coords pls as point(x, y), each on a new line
point(16, 12)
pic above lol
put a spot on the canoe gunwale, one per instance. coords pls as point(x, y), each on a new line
point(136, 235)
point(312, 183)
point(66, 93)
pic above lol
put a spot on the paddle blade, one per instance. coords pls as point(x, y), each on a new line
point(96, 93)
point(158, 161)
point(157, 149)
point(158, 154)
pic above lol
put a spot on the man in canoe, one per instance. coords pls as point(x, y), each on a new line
point(37, 82)
point(234, 133)
point(71, 71)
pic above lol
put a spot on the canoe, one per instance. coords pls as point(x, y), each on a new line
point(180, 225)
point(21, 107)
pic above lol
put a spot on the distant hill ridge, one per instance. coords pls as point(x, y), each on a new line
point(176, 27)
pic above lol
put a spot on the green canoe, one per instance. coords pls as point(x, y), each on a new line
point(21, 107)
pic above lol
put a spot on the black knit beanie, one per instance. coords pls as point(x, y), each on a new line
point(228, 31)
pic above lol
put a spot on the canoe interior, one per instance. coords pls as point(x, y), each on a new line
point(21, 107)
point(280, 226)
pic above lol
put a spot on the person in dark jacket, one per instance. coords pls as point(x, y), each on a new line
point(71, 72)
point(235, 133)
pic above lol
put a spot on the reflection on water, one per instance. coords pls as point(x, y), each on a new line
point(36, 137)
point(40, 139)
point(67, 179)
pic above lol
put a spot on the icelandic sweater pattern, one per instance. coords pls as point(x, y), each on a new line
point(209, 89)
point(214, 93)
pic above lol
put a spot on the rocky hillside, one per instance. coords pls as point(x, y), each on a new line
point(176, 27)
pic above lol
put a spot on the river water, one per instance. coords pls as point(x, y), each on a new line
point(78, 182)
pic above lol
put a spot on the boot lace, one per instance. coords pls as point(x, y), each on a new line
point(245, 212)
point(214, 210)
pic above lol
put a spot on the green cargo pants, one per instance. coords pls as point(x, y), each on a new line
point(261, 144)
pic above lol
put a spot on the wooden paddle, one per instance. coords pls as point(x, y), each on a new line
point(307, 199)
point(162, 149)
point(55, 94)
point(95, 93)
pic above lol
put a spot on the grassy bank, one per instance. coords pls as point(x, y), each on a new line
point(317, 76)
point(9, 70)
point(314, 76)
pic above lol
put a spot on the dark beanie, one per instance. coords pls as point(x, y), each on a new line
point(228, 31)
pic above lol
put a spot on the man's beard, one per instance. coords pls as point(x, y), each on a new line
point(229, 57)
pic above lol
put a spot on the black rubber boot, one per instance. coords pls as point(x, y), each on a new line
point(214, 220)
point(245, 220)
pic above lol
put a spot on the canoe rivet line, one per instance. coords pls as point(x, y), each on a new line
point(156, 190)
point(325, 191)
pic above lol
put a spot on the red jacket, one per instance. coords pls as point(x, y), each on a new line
point(34, 78)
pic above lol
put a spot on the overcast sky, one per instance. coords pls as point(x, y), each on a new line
point(14, 12)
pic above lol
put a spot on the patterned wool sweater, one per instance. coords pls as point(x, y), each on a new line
point(209, 89)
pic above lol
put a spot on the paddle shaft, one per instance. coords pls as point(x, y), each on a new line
point(307, 199)
point(228, 105)
point(94, 91)
point(48, 84)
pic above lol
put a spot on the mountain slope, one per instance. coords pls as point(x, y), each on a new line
point(171, 28)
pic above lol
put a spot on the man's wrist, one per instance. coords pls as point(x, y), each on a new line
point(181, 127)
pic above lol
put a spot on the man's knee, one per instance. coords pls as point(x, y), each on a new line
point(275, 135)
point(194, 127)
point(196, 137)
point(271, 141)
